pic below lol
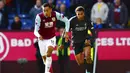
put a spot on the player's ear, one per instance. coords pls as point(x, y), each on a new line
point(51, 9)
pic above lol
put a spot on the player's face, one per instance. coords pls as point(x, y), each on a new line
point(47, 11)
point(80, 15)
point(117, 1)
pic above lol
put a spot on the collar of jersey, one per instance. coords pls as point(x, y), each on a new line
point(47, 16)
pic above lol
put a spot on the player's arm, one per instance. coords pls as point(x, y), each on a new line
point(71, 22)
point(64, 19)
point(37, 25)
point(90, 28)
point(90, 31)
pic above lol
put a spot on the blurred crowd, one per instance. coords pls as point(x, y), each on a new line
point(104, 14)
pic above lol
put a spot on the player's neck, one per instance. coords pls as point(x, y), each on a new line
point(80, 19)
point(48, 16)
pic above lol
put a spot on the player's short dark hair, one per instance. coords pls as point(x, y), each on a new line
point(80, 8)
point(47, 5)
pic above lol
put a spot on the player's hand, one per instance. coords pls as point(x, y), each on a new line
point(66, 37)
point(41, 38)
point(87, 42)
point(61, 47)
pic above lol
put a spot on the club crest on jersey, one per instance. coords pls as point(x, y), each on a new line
point(53, 19)
point(43, 20)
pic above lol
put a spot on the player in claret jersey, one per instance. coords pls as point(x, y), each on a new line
point(45, 24)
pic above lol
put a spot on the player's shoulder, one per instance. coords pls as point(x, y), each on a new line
point(57, 13)
point(73, 18)
point(53, 13)
point(41, 15)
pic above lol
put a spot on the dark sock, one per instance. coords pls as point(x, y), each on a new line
point(82, 68)
point(89, 67)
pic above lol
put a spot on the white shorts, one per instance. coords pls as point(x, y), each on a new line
point(45, 43)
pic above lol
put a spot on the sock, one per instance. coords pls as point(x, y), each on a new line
point(86, 66)
point(48, 64)
point(82, 68)
point(89, 67)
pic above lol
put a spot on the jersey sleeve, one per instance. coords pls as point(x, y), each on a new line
point(90, 25)
point(90, 30)
point(37, 25)
point(71, 22)
point(70, 25)
point(64, 19)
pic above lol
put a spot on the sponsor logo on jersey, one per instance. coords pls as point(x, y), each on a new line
point(48, 24)
point(53, 19)
point(43, 20)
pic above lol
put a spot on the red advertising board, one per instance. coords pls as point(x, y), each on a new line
point(113, 45)
point(15, 45)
